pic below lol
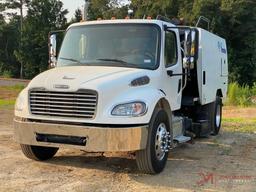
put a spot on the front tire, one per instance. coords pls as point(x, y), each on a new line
point(38, 153)
point(153, 159)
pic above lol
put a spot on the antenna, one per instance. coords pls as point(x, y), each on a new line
point(202, 18)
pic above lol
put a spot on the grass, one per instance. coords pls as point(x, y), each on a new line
point(241, 95)
point(8, 95)
point(243, 125)
point(9, 102)
point(17, 87)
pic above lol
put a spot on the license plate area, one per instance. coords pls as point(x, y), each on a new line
point(61, 139)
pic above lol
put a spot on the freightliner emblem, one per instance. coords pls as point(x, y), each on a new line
point(61, 86)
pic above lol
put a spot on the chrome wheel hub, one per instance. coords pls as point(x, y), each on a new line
point(162, 141)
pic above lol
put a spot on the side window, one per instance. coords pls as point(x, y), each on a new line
point(170, 50)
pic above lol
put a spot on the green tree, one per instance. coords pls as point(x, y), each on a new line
point(168, 8)
point(2, 43)
point(78, 15)
point(9, 40)
point(239, 18)
point(11, 37)
point(106, 9)
point(233, 20)
point(42, 17)
point(17, 5)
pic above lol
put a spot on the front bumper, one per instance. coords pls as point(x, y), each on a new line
point(98, 139)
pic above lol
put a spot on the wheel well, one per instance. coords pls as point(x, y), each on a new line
point(164, 104)
point(219, 93)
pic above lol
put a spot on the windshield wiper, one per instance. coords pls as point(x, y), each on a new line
point(113, 60)
point(71, 59)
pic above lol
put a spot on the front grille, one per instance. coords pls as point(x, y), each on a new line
point(80, 104)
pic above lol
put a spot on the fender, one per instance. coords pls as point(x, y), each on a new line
point(22, 103)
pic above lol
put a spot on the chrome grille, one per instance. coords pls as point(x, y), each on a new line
point(80, 104)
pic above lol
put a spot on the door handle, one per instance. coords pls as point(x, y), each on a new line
point(179, 85)
point(171, 74)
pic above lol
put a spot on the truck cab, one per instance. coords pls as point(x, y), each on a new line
point(134, 85)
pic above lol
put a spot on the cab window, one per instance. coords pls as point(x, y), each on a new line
point(170, 53)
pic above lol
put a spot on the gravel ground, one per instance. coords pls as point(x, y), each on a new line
point(222, 163)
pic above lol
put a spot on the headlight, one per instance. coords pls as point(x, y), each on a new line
point(129, 109)
point(19, 105)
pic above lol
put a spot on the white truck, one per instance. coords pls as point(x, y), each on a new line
point(136, 85)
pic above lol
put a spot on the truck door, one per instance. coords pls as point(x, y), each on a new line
point(172, 62)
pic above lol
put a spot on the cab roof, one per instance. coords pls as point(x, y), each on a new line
point(121, 21)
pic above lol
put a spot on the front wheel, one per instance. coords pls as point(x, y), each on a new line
point(153, 159)
point(38, 153)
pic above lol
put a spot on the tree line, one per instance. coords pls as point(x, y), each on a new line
point(24, 39)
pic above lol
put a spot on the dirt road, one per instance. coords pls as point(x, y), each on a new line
point(223, 163)
point(11, 82)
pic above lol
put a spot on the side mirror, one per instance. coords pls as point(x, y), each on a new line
point(187, 43)
point(54, 41)
point(52, 50)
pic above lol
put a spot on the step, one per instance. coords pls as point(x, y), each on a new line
point(182, 139)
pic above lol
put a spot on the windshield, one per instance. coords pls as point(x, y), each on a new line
point(124, 45)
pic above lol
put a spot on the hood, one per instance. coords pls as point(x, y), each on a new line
point(75, 77)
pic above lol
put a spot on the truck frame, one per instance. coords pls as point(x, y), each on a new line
point(136, 85)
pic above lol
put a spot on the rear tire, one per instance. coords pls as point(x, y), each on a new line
point(152, 160)
point(217, 116)
point(38, 153)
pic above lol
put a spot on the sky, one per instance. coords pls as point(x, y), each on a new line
point(71, 6)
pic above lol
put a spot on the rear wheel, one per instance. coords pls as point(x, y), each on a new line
point(153, 159)
point(38, 153)
point(217, 116)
